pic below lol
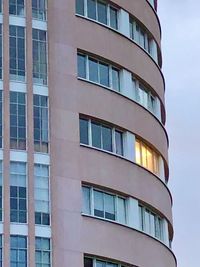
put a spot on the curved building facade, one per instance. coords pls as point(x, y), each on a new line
point(83, 145)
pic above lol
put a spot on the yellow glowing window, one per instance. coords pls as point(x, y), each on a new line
point(146, 157)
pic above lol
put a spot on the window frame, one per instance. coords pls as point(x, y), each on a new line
point(114, 130)
point(16, 5)
point(49, 195)
point(19, 249)
point(42, 251)
point(139, 86)
point(40, 141)
point(15, 77)
point(92, 191)
point(37, 11)
point(42, 75)
point(16, 173)
point(99, 62)
point(157, 220)
point(106, 262)
point(16, 145)
point(108, 14)
point(139, 145)
point(136, 31)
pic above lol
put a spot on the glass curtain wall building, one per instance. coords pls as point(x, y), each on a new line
point(83, 146)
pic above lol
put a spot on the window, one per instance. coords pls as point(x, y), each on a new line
point(1, 118)
point(39, 9)
point(1, 190)
point(1, 248)
point(140, 35)
point(41, 192)
point(17, 120)
point(41, 124)
point(98, 10)
point(39, 57)
point(80, 8)
point(18, 251)
point(104, 205)
point(144, 96)
point(98, 72)
point(84, 139)
point(42, 252)
point(18, 194)
point(1, 60)
point(81, 66)
point(17, 53)
point(94, 262)
point(102, 136)
point(150, 223)
point(16, 7)
point(147, 157)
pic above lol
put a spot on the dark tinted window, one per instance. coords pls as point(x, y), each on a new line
point(84, 131)
point(96, 135)
point(81, 66)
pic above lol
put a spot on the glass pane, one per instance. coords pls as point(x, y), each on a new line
point(115, 79)
point(107, 138)
point(144, 156)
point(109, 206)
point(104, 74)
point(155, 163)
point(142, 97)
point(80, 7)
point(81, 66)
point(121, 211)
point(91, 9)
point(100, 264)
point(86, 200)
point(93, 70)
point(119, 143)
point(137, 153)
point(96, 135)
point(142, 39)
point(113, 18)
point(149, 160)
point(84, 131)
point(102, 12)
point(98, 204)
point(88, 262)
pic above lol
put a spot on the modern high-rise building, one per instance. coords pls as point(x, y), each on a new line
point(83, 146)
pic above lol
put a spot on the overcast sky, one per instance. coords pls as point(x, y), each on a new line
point(180, 21)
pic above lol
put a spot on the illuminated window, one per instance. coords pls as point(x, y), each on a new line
point(146, 157)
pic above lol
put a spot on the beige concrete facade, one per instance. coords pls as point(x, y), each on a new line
point(73, 234)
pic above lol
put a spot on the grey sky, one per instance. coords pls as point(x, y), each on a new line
point(180, 21)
